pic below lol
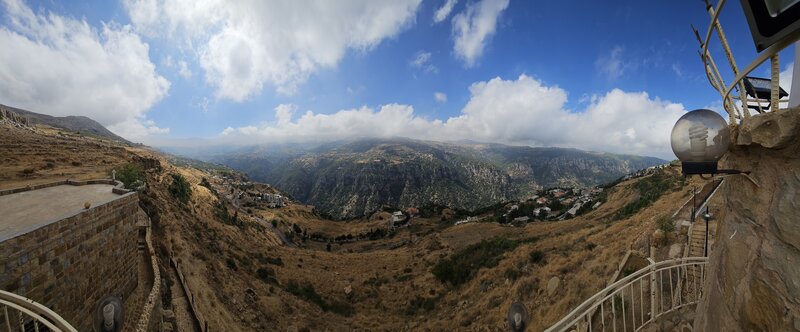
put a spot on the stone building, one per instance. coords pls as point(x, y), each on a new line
point(79, 250)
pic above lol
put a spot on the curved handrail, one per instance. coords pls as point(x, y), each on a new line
point(766, 54)
point(587, 307)
point(35, 310)
point(740, 75)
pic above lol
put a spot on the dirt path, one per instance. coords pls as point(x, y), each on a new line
point(180, 306)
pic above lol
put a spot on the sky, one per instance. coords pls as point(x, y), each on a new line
point(609, 76)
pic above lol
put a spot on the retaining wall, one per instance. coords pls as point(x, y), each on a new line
point(72, 264)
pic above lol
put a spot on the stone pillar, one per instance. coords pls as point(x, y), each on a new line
point(753, 279)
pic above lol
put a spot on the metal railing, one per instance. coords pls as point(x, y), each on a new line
point(640, 298)
point(22, 314)
point(741, 111)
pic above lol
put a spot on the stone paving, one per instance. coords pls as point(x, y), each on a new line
point(28, 210)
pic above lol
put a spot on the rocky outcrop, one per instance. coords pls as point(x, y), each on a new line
point(753, 281)
point(9, 117)
point(79, 124)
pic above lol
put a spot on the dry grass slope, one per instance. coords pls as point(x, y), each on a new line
point(244, 279)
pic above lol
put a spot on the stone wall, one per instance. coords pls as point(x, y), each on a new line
point(150, 319)
point(72, 264)
point(753, 281)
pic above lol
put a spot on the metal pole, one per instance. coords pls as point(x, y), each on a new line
point(694, 202)
point(706, 216)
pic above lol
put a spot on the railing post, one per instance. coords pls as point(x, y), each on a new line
point(652, 289)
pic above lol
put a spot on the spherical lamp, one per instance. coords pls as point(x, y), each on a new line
point(699, 139)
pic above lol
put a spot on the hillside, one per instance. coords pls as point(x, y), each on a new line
point(353, 179)
point(245, 278)
point(79, 124)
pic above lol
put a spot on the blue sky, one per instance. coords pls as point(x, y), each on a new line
point(597, 75)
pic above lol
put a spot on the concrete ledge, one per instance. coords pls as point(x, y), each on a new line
point(118, 186)
point(121, 196)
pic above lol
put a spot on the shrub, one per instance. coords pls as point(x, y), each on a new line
point(180, 188)
point(650, 189)
point(231, 264)
point(421, 304)
point(512, 273)
point(130, 175)
point(590, 246)
point(266, 274)
point(308, 293)
point(527, 288)
point(666, 226)
point(463, 265)
point(536, 256)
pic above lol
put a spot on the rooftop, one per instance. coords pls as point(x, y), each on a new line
point(25, 211)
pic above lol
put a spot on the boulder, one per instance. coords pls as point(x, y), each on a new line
point(675, 250)
point(552, 286)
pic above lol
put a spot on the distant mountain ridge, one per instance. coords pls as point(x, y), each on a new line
point(353, 178)
point(80, 124)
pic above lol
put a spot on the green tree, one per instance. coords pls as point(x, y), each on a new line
point(131, 175)
point(180, 188)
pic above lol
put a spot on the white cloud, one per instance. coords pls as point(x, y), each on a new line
point(474, 26)
point(521, 111)
point(183, 70)
point(786, 78)
point(283, 113)
point(440, 97)
point(612, 66)
point(678, 70)
point(62, 66)
point(422, 61)
point(227, 131)
point(244, 45)
point(137, 129)
point(443, 12)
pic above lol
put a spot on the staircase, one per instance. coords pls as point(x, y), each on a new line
point(140, 246)
point(697, 238)
point(697, 234)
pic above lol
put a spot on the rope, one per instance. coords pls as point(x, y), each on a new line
point(775, 66)
point(715, 24)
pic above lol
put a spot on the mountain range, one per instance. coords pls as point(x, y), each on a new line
point(351, 179)
point(79, 124)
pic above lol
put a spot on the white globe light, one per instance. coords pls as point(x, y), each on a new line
point(700, 136)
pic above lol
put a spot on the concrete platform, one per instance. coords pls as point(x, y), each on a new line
point(29, 210)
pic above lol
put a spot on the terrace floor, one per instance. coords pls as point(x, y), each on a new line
point(26, 211)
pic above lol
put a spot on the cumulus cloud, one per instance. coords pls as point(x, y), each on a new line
point(444, 11)
point(440, 97)
point(62, 66)
point(137, 129)
point(473, 27)
point(244, 45)
point(521, 111)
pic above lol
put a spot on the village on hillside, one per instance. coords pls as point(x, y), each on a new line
point(555, 204)
point(551, 204)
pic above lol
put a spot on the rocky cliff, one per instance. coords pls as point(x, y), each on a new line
point(752, 282)
point(352, 179)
